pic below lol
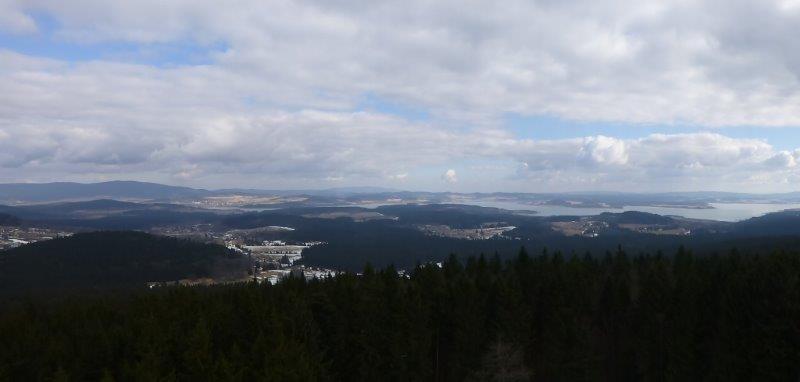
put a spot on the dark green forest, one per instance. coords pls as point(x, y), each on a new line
point(9, 220)
point(109, 259)
point(535, 317)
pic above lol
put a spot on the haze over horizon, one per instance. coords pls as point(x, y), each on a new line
point(367, 189)
point(635, 96)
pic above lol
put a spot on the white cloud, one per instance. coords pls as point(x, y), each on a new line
point(450, 176)
point(707, 62)
point(604, 150)
point(783, 159)
point(398, 177)
point(278, 104)
point(13, 18)
point(658, 161)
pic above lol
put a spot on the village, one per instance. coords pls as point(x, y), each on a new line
point(13, 236)
point(275, 260)
point(272, 259)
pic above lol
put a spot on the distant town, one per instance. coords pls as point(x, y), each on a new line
point(272, 260)
point(12, 236)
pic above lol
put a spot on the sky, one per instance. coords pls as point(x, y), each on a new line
point(523, 96)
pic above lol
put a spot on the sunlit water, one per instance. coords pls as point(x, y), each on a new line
point(729, 212)
point(721, 211)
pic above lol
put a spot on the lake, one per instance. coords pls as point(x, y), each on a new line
point(722, 211)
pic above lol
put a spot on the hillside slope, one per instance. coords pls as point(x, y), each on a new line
point(9, 220)
point(101, 260)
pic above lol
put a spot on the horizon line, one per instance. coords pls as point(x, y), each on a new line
point(391, 190)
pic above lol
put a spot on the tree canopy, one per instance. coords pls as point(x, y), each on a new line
point(536, 317)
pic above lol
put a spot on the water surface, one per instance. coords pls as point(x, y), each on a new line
point(721, 211)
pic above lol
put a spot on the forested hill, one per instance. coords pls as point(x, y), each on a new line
point(616, 318)
point(101, 260)
point(9, 220)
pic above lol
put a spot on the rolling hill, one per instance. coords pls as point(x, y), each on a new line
point(103, 260)
point(9, 220)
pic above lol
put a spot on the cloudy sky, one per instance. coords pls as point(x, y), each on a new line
point(424, 95)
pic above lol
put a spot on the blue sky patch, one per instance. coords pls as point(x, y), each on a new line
point(375, 103)
point(48, 44)
point(551, 127)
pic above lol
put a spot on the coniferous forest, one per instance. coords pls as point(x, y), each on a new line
point(536, 317)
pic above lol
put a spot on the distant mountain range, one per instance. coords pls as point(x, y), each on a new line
point(20, 193)
point(30, 193)
point(25, 193)
point(402, 234)
point(338, 191)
